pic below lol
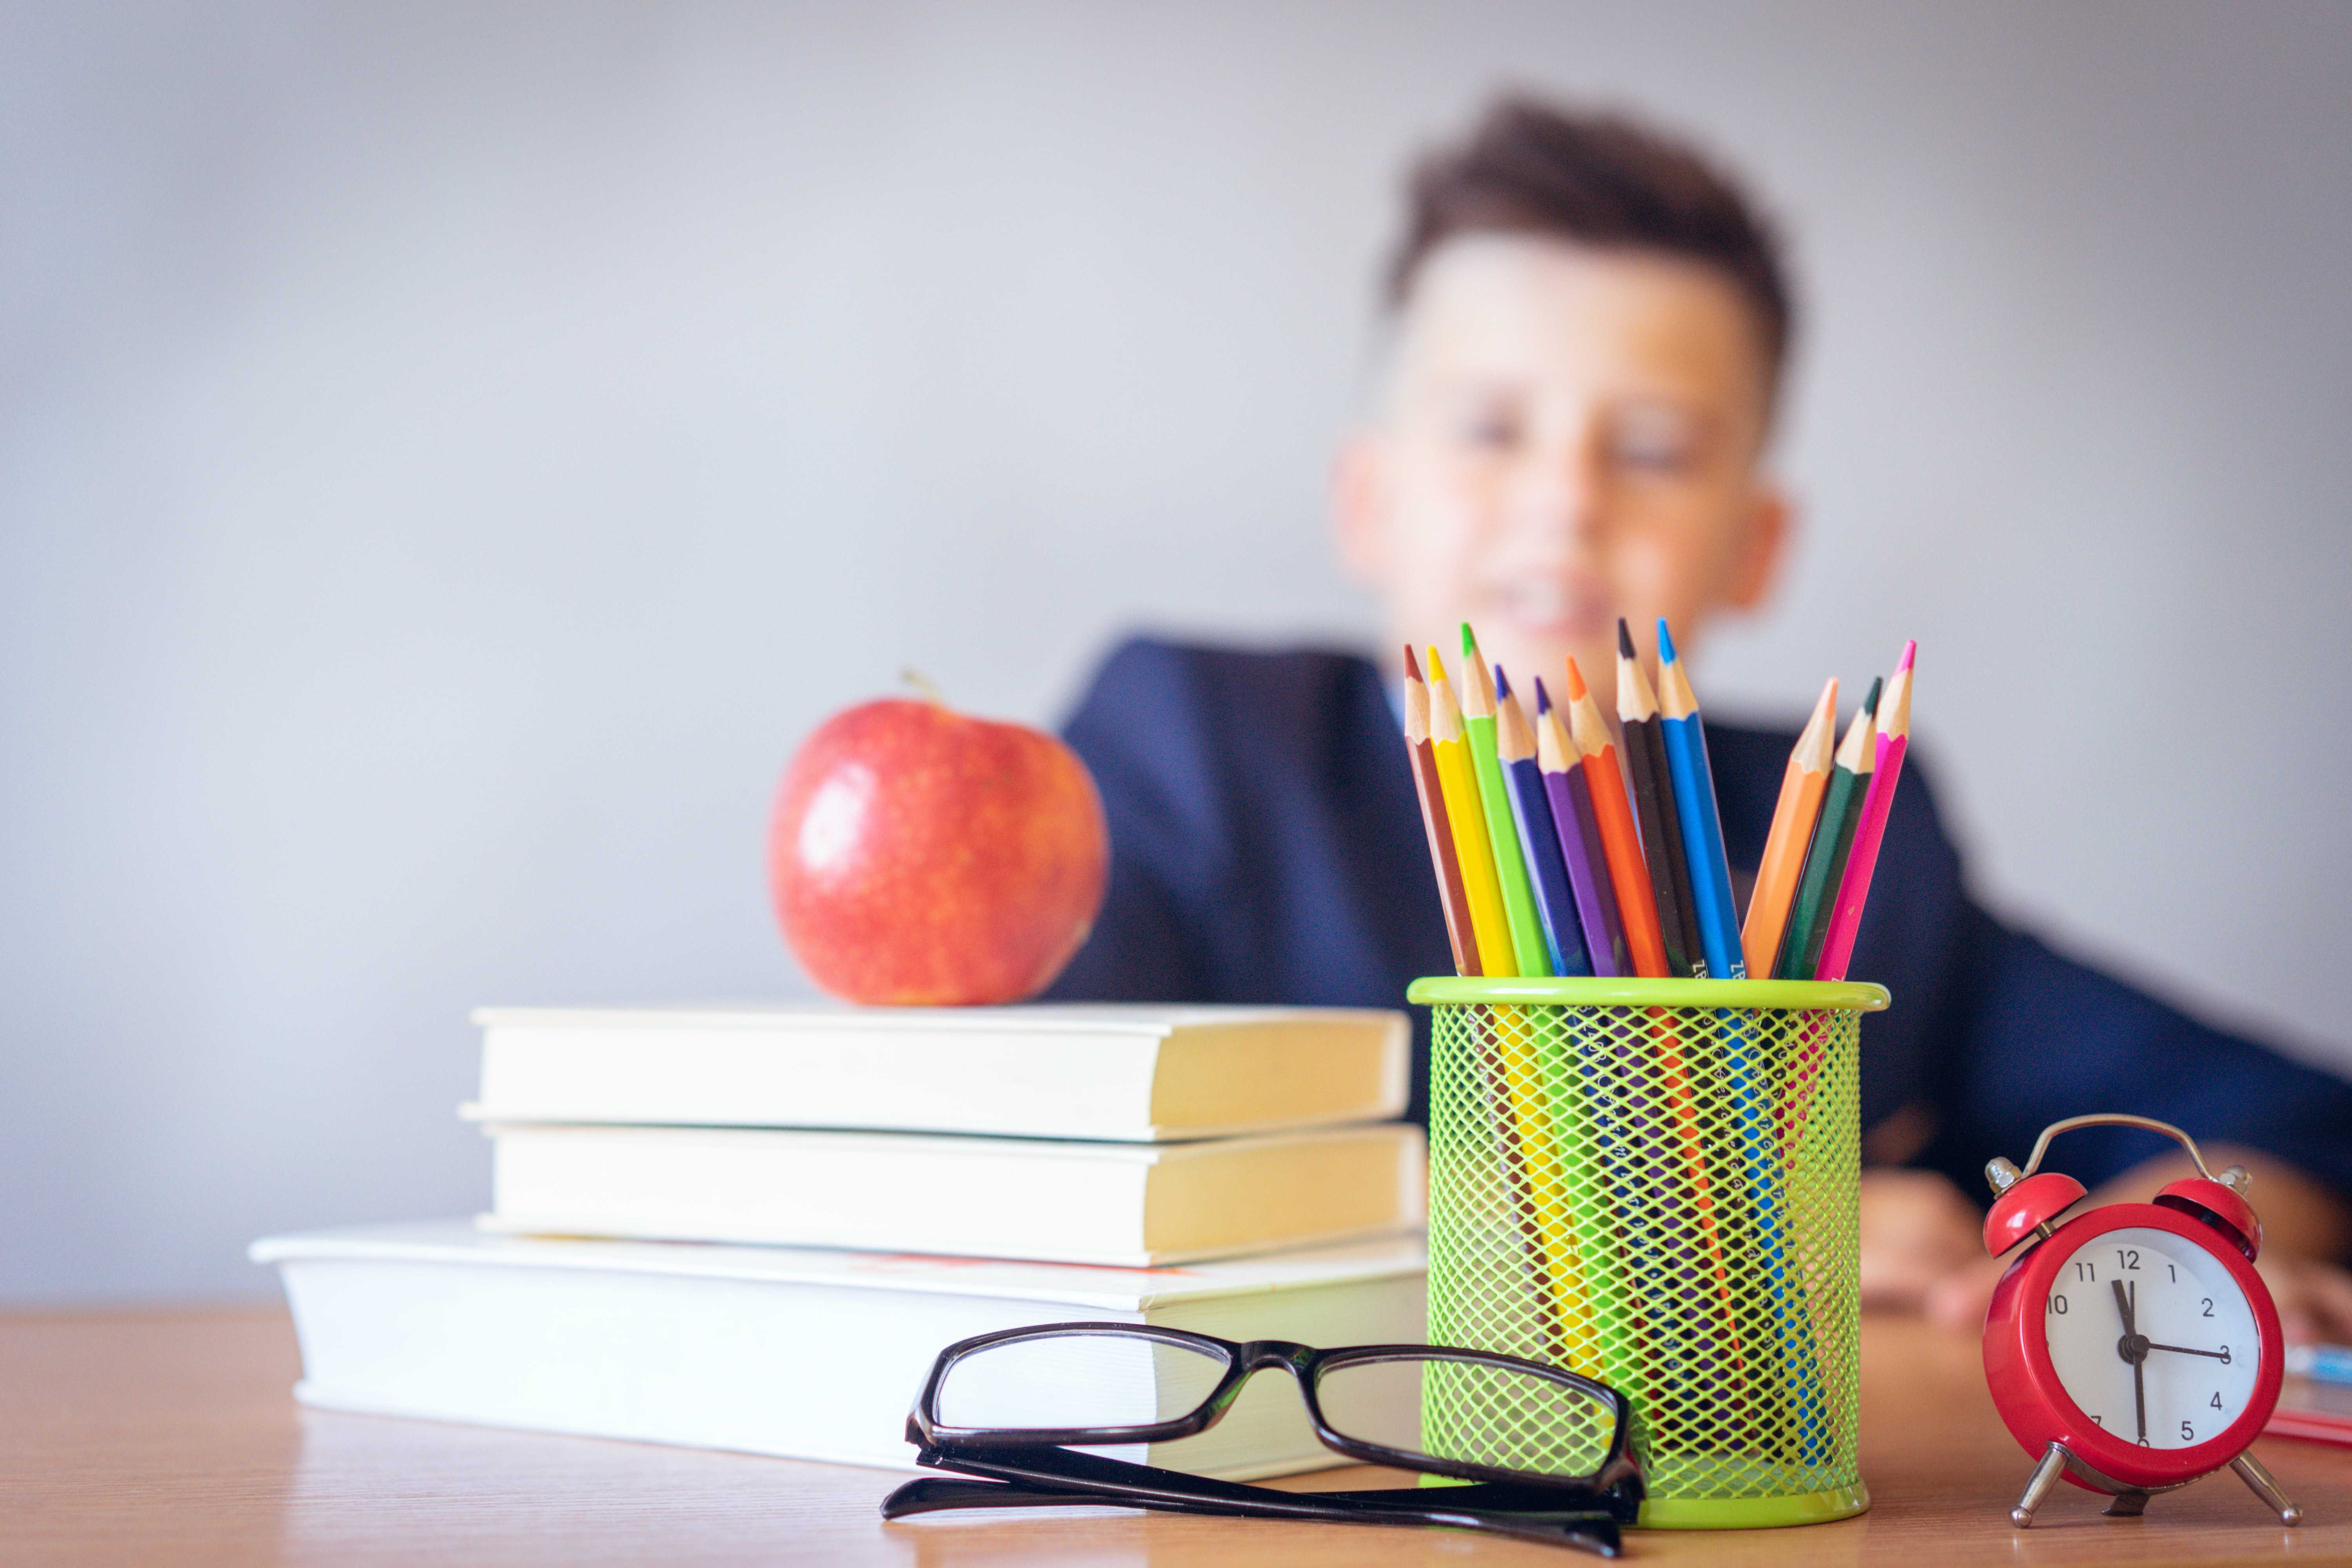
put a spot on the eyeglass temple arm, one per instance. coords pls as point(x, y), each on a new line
point(1526, 1514)
point(930, 1494)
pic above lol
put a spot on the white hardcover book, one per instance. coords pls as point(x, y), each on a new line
point(1131, 1205)
point(804, 1354)
point(1041, 1071)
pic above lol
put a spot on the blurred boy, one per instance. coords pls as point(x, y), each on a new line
point(1588, 331)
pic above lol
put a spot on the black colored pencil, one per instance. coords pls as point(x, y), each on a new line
point(1654, 805)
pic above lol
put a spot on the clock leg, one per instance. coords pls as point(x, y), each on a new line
point(2129, 1504)
point(2045, 1476)
point(2250, 1471)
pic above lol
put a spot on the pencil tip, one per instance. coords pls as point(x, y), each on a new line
point(1665, 642)
point(1469, 640)
point(1436, 665)
point(1411, 668)
point(1576, 687)
point(1543, 697)
point(1501, 684)
point(1870, 700)
point(1904, 662)
point(1624, 639)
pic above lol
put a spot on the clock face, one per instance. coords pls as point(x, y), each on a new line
point(2152, 1338)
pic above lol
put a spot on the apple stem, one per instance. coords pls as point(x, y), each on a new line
point(922, 683)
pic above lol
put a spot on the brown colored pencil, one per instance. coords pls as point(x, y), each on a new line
point(1654, 801)
point(1442, 856)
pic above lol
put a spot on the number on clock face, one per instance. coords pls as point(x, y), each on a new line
point(2150, 1296)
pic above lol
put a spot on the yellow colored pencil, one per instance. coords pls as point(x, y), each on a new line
point(1457, 780)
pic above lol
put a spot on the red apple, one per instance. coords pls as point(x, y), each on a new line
point(921, 857)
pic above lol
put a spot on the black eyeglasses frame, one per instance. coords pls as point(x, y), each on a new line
point(1244, 1359)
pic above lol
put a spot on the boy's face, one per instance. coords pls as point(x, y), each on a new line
point(1566, 435)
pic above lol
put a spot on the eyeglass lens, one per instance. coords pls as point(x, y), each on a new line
point(1467, 1412)
point(1078, 1379)
point(1470, 1412)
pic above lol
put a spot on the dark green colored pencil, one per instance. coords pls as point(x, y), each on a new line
point(1817, 885)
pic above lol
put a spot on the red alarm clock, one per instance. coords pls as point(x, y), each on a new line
point(2133, 1348)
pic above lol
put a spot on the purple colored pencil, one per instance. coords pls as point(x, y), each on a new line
point(1579, 841)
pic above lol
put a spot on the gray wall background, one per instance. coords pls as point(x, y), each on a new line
point(449, 454)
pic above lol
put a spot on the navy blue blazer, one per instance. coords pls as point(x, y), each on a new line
point(1267, 846)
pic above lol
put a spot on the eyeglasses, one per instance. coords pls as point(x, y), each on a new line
point(1544, 1453)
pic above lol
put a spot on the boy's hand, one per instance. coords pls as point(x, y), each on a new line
point(1917, 1232)
point(2314, 1300)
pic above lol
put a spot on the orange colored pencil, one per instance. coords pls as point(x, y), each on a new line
point(1637, 904)
point(1442, 857)
point(1800, 807)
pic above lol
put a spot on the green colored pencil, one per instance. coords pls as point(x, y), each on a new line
point(1510, 857)
point(1817, 885)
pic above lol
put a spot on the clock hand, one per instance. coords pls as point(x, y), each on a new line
point(2133, 1349)
point(2184, 1350)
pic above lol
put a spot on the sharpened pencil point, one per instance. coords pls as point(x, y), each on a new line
point(1436, 665)
point(1870, 698)
point(1665, 642)
point(1543, 697)
point(1624, 639)
point(1502, 683)
point(1904, 662)
point(1469, 641)
point(1411, 668)
point(1575, 680)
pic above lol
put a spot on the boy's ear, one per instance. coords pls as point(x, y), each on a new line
point(1765, 545)
point(1359, 507)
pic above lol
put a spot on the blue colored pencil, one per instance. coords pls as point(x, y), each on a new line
point(1710, 873)
point(1718, 926)
point(1515, 748)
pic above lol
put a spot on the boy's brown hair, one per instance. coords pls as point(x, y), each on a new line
point(1597, 180)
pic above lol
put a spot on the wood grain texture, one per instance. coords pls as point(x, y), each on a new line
point(156, 1437)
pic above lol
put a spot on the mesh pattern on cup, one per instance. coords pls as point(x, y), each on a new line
point(1663, 1198)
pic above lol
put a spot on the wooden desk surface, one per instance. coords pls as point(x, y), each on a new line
point(155, 1437)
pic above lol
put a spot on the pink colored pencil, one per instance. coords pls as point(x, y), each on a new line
point(1894, 739)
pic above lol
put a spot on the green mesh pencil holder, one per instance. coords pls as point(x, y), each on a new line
point(1656, 1182)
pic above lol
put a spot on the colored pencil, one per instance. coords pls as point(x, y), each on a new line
point(1444, 858)
point(1458, 782)
point(1802, 784)
point(1653, 798)
point(1809, 913)
point(1515, 748)
point(1510, 860)
point(1853, 891)
point(1532, 1143)
point(1743, 1083)
point(1637, 905)
point(1579, 843)
point(1710, 874)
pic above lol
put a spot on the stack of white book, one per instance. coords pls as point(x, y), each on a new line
point(753, 1228)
